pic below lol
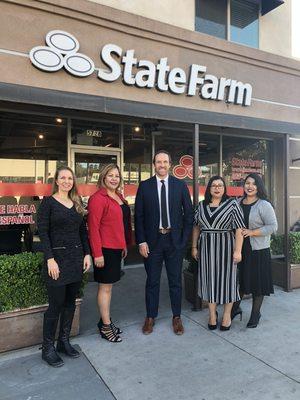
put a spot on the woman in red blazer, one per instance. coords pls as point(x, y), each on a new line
point(109, 225)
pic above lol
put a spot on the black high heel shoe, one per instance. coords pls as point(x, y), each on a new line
point(116, 329)
point(254, 320)
point(225, 328)
point(109, 334)
point(213, 327)
point(236, 312)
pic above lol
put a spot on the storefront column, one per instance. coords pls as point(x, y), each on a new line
point(287, 214)
point(197, 300)
point(196, 166)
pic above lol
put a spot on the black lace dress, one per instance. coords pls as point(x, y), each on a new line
point(63, 235)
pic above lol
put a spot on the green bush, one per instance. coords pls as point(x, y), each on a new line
point(277, 244)
point(294, 239)
point(21, 282)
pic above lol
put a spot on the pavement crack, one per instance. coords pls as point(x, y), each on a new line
point(243, 350)
point(105, 384)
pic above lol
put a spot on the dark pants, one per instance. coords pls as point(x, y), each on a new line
point(164, 251)
point(61, 297)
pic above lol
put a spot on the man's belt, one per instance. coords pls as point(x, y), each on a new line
point(164, 231)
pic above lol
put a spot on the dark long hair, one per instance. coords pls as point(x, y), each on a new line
point(261, 190)
point(208, 196)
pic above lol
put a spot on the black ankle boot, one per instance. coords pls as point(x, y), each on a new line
point(63, 344)
point(48, 350)
point(254, 320)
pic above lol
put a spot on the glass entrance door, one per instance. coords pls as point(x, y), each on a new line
point(88, 164)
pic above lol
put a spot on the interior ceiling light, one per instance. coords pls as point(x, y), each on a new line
point(59, 120)
point(41, 136)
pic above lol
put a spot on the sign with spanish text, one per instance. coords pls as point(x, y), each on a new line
point(12, 214)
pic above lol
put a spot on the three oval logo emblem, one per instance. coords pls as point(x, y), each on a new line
point(61, 52)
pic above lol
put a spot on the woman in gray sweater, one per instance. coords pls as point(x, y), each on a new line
point(255, 274)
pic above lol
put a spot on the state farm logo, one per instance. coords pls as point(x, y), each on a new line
point(185, 168)
point(61, 52)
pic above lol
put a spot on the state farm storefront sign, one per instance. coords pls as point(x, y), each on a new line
point(61, 51)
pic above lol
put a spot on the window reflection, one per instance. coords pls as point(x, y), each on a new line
point(211, 17)
point(242, 156)
point(244, 22)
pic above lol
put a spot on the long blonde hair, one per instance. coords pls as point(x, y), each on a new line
point(73, 193)
point(104, 171)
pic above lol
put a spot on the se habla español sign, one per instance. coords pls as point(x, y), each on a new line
point(12, 214)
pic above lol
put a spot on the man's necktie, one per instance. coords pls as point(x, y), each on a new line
point(163, 205)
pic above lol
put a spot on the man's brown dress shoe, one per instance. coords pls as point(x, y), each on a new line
point(177, 326)
point(148, 326)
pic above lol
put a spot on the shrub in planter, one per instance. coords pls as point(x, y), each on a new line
point(294, 241)
point(21, 284)
point(277, 244)
point(278, 263)
point(23, 301)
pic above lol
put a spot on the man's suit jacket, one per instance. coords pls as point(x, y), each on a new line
point(147, 213)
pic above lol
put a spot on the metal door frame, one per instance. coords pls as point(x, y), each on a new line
point(92, 150)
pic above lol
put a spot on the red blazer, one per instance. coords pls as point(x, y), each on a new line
point(105, 223)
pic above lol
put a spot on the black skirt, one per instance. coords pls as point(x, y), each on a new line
point(111, 272)
point(255, 271)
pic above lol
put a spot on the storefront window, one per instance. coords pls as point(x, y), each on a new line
point(31, 149)
point(209, 157)
point(294, 187)
point(137, 158)
point(137, 167)
point(294, 152)
point(94, 133)
point(242, 156)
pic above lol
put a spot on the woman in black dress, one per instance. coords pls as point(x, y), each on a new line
point(109, 233)
point(255, 273)
point(64, 240)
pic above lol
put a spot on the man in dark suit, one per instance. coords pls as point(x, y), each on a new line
point(163, 223)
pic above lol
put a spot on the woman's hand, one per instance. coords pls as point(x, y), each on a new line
point(53, 270)
point(237, 257)
point(124, 253)
point(86, 263)
point(195, 253)
point(99, 262)
point(247, 232)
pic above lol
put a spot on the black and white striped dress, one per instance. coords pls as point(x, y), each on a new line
point(217, 272)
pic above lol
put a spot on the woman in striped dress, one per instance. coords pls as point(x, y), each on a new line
point(216, 244)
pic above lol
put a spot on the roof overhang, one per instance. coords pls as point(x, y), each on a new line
point(267, 5)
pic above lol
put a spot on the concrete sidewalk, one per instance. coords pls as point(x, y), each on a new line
point(241, 364)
